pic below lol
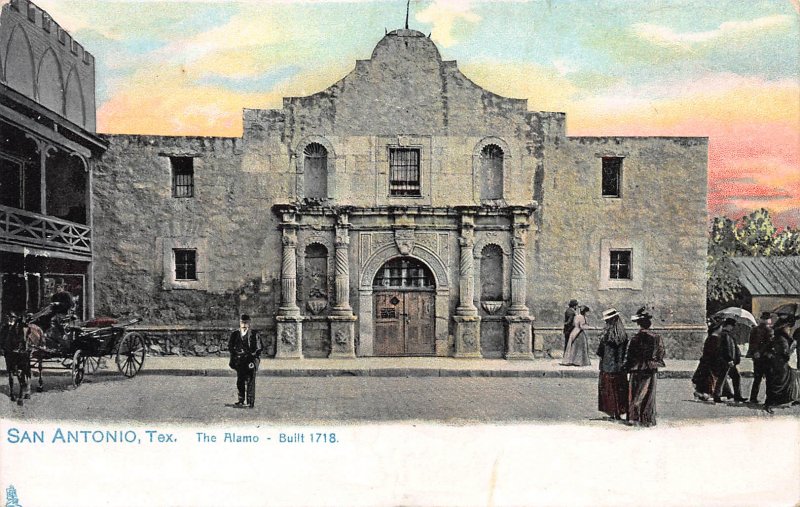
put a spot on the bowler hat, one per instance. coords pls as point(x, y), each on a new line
point(244, 318)
point(766, 315)
point(641, 313)
point(610, 313)
point(573, 302)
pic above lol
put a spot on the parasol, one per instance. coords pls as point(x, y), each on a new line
point(740, 315)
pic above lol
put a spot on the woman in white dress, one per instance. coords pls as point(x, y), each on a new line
point(577, 353)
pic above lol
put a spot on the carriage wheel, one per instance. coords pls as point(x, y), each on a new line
point(78, 368)
point(92, 364)
point(130, 354)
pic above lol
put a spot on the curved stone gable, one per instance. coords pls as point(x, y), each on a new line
point(405, 87)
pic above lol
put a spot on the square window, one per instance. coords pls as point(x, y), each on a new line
point(404, 179)
point(620, 265)
point(185, 264)
point(612, 176)
point(182, 176)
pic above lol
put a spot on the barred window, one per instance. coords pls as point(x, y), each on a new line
point(404, 177)
point(620, 265)
point(185, 264)
point(182, 176)
point(612, 177)
point(403, 272)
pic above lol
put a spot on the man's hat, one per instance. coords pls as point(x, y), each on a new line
point(641, 313)
point(766, 315)
point(573, 302)
point(729, 322)
point(610, 313)
point(244, 318)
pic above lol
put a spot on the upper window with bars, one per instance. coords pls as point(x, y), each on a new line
point(404, 273)
point(404, 172)
point(182, 176)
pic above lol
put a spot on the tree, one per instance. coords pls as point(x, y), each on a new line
point(752, 235)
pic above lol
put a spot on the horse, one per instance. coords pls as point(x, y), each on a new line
point(17, 352)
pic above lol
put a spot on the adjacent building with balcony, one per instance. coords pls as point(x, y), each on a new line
point(48, 146)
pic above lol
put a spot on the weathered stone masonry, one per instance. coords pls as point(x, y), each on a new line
point(312, 224)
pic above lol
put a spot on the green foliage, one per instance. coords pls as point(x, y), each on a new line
point(752, 235)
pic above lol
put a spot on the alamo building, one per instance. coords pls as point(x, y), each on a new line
point(402, 211)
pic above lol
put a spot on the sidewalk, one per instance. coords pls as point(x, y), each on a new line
point(217, 366)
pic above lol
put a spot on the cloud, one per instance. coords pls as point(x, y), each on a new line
point(666, 36)
point(443, 15)
point(544, 87)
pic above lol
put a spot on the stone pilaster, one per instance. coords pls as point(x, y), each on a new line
point(342, 320)
point(518, 320)
point(468, 322)
point(289, 342)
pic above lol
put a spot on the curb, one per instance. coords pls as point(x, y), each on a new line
point(395, 373)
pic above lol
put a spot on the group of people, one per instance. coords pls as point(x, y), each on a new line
point(628, 367)
point(769, 347)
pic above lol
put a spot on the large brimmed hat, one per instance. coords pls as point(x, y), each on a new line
point(641, 313)
point(610, 313)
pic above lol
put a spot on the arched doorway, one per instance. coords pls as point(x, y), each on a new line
point(403, 292)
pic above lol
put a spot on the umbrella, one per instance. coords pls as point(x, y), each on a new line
point(740, 315)
point(789, 309)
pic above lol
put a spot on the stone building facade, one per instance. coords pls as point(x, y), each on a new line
point(404, 210)
point(48, 146)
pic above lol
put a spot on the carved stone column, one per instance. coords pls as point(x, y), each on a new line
point(518, 337)
point(342, 320)
point(468, 322)
point(289, 342)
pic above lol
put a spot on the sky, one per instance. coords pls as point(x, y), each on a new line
point(726, 70)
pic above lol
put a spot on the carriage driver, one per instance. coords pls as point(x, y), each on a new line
point(61, 304)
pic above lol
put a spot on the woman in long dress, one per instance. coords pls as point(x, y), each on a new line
point(783, 381)
point(645, 355)
point(612, 390)
point(577, 353)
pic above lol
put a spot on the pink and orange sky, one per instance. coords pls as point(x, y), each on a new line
point(725, 69)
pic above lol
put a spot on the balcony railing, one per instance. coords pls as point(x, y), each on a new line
point(22, 227)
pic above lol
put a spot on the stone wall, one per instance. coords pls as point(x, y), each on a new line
point(684, 342)
point(135, 216)
point(661, 215)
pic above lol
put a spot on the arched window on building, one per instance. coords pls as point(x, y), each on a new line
point(491, 273)
point(491, 172)
point(315, 169)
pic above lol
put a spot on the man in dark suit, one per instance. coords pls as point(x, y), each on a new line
point(569, 319)
point(245, 347)
point(760, 336)
point(729, 357)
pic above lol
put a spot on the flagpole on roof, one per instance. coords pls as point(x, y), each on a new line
point(408, 5)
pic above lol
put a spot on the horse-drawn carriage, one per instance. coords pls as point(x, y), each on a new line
point(76, 346)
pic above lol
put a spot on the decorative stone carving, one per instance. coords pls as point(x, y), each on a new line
point(340, 338)
point(519, 339)
point(404, 239)
point(428, 240)
point(491, 307)
point(316, 305)
point(288, 338)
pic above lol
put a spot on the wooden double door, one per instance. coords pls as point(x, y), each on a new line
point(404, 323)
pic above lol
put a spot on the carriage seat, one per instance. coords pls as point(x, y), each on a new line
point(101, 322)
